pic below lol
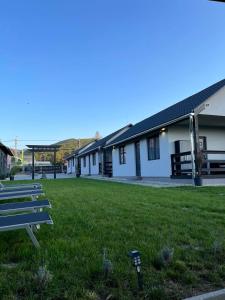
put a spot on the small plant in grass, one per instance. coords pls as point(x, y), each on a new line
point(189, 277)
point(91, 295)
point(217, 247)
point(43, 275)
point(107, 264)
point(180, 266)
point(164, 258)
point(155, 292)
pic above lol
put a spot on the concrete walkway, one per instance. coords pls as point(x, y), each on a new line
point(154, 182)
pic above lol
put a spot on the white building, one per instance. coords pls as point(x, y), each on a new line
point(96, 159)
point(186, 140)
point(73, 162)
point(5, 153)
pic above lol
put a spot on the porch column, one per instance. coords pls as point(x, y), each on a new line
point(192, 139)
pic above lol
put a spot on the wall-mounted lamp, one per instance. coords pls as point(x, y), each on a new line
point(163, 130)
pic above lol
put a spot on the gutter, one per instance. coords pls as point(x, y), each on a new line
point(149, 130)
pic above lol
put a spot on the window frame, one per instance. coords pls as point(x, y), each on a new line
point(84, 162)
point(122, 155)
point(153, 151)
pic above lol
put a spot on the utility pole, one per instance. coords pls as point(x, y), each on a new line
point(22, 156)
point(16, 143)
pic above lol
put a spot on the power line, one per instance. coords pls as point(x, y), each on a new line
point(30, 140)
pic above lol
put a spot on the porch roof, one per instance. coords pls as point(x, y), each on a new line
point(168, 115)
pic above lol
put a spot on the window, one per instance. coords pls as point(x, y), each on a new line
point(73, 161)
point(94, 159)
point(153, 148)
point(84, 161)
point(122, 155)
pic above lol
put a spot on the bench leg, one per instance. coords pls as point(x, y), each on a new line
point(32, 237)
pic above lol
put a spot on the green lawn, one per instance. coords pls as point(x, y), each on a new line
point(92, 215)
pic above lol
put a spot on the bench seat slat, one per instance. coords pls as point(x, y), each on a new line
point(21, 194)
point(22, 220)
point(21, 206)
point(16, 190)
point(21, 186)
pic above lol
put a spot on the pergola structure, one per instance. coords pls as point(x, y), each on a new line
point(43, 148)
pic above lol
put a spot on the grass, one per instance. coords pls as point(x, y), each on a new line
point(91, 215)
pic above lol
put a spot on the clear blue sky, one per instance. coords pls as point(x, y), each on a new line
point(70, 68)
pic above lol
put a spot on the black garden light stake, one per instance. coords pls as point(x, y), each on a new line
point(136, 259)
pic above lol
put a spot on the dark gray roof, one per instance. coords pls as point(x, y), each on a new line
point(75, 152)
point(5, 149)
point(169, 114)
point(102, 142)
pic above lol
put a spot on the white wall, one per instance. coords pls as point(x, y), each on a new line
point(95, 168)
point(159, 167)
point(215, 141)
point(85, 170)
point(71, 166)
point(149, 168)
point(176, 133)
point(162, 167)
point(215, 138)
point(128, 169)
point(215, 105)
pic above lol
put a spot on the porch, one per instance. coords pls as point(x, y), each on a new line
point(203, 154)
point(212, 167)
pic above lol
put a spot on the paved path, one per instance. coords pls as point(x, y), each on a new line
point(156, 182)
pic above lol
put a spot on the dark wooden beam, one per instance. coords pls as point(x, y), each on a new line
point(33, 165)
point(55, 164)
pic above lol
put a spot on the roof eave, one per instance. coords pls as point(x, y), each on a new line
point(149, 130)
point(90, 151)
